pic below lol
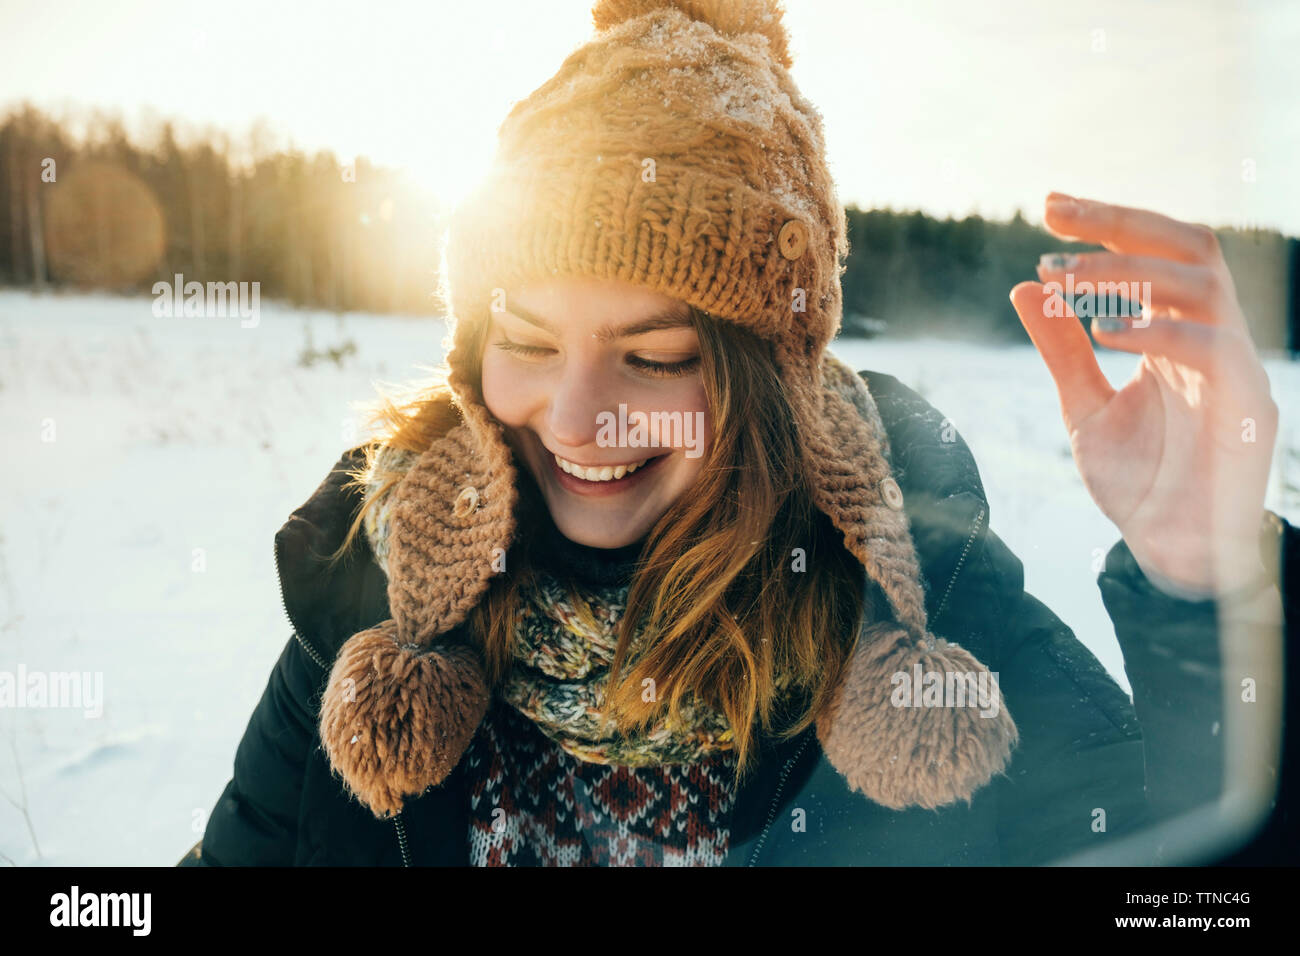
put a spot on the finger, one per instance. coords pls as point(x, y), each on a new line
point(1196, 291)
point(1216, 356)
point(1216, 352)
point(1124, 229)
point(1064, 345)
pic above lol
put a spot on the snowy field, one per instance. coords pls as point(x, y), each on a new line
point(150, 462)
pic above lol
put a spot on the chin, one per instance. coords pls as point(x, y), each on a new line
point(594, 538)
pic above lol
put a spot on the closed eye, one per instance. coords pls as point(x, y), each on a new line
point(663, 368)
point(520, 349)
point(645, 365)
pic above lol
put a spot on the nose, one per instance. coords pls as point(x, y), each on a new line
point(575, 403)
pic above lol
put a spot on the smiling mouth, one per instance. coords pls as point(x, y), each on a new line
point(600, 473)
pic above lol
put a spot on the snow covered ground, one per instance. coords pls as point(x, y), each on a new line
point(150, 462)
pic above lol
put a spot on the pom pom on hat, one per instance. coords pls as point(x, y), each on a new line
point(728, 17)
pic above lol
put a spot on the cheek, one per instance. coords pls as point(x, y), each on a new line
point(697, 400)
point(506, 391)
point(693, 401)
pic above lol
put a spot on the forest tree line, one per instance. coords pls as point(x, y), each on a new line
point(104, 210)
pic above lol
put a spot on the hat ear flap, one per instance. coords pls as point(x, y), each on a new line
point(401, 705)
point(453, 520)
point(889, 746)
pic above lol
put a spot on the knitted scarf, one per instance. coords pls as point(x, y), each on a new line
point(561, 665)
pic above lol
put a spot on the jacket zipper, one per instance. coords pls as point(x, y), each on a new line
point(970, 539)
point(776, 799)
point(400, 826)
point(314, 654)
point(398, 823)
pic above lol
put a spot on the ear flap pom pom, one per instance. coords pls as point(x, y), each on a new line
point(396, 718)
point(913, 725)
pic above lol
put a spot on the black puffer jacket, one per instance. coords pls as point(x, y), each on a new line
point(1083, 745)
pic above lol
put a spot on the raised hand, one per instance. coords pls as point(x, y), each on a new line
point(1179, 457)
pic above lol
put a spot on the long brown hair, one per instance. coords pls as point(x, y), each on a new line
point(749, 599)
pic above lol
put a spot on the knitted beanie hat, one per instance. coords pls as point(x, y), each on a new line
point(672, 151)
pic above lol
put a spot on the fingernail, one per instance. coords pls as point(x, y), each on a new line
point(1062, 204)
point(1057, 261)
point(1108, 323)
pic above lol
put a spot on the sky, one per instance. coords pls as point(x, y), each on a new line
point(1189, 108)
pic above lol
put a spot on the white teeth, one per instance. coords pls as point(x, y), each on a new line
point(605, 473)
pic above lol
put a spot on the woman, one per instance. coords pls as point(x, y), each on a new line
point(652, 577)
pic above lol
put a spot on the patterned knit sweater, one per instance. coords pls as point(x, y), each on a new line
point(533, 804)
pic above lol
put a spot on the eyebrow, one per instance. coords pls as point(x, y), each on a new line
point(670, 318)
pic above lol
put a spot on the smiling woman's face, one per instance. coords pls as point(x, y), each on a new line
point(563, 352)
